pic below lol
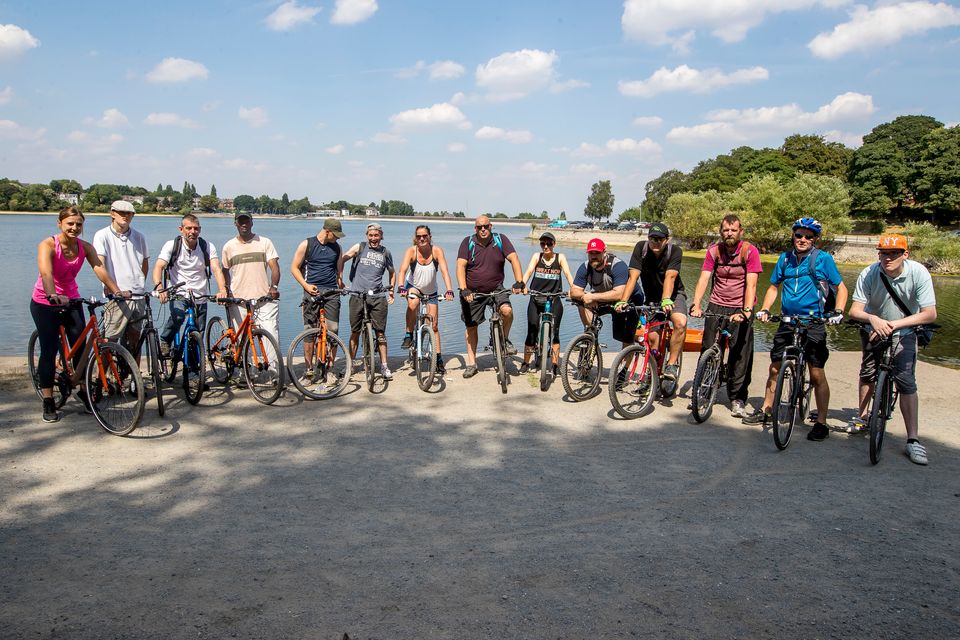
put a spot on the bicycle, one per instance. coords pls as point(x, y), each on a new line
point(543, 349)
point(711, 371)
point(791, 396)
point(187, 348)
point(582, 364)
point(227, 348)
point(423, 352)
point(497, 338)
point(368, 337)
point(114, 386)
point(150, 338)
point(316, 354)
point(635, 381)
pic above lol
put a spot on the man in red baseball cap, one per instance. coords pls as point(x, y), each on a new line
point(599, 284)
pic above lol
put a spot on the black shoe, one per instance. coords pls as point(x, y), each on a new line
point(819, 432)
point(441, 370)
point(510, 349)
point(525, 367)
point(50, 413)
point(407, 341)
point(470, 371)
point(757, 417)
point(556, 370)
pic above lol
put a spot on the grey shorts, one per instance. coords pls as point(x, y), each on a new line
point(331, 310)
point(680, 303)
point(122, 321)
point(378, 313)
point(904, 361)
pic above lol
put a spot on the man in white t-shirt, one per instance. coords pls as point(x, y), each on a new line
point(123, 251)
point(874, 304)
point(252, 269)
point(191, 260)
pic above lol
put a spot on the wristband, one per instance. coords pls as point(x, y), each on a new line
point(619, 304)
point(518, 285)
point(666, 302)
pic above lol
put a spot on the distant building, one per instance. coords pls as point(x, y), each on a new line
point(371, 211)
point(196, 203)
point(137, 199)
point(70, 198)
point(227, 204)
point(328, 213)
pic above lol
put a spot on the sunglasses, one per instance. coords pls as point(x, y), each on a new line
point(419, 237)
point(546, 243)
point(482, 226)
point(804, 236)
point(656, 239)
point(891, 254)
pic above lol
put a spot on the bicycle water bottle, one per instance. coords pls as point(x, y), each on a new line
point(641, 329)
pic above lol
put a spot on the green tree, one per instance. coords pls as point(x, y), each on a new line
point(692, 216)
point(878, 177)
point(209, 203)
point(34, 197)
point(813, 154)
point(938, 173)
point(65, 186)
point(284, 203)
point(563, 215)
point(264, 204)
point(8, 188)
point(245, 202)
point(159, 190)
point(213, 190)
point(633, 213)
point(600, 201)
point(659, 190)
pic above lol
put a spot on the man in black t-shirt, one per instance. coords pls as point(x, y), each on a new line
point(656, 263)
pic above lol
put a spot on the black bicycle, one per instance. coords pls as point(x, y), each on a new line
point(582, 365)
point(497, 339)
point(368, 338)
point(150, 338)
point(791, 397)
point(711, 370)
point(543, 349)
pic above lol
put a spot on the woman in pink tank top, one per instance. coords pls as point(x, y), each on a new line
point(59, 260)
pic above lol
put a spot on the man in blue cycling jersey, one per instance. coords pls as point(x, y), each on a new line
point(800, 277)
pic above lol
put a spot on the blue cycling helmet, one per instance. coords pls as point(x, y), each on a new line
point(808, 223)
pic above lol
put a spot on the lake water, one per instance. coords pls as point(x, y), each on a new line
point(21, 233)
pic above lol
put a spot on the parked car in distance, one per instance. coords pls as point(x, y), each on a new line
point(627, 225)
point(609, 226)
point(558, 224)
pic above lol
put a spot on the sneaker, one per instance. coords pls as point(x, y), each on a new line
point(510, 349)
point(856, 425)
point(759, 416)
point(164, 349)
point(386, 373)
point(307, 377)
point(525, 367)
point(916, 452)
point(357, 364)
point(556, 370)
point(819, 432)
point(441, 370)
point(50, 413)
point(738, 409)
point(470, 371)
point(621, 378)
point(671, 372)
point(407, 341)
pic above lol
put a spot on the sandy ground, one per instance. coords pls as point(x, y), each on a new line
point(468, 514)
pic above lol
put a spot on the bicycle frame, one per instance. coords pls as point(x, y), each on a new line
point(245, 329)
point(189, 324)
point(662, 326)
point(88, 341)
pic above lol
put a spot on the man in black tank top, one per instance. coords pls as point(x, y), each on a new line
point(316, 266)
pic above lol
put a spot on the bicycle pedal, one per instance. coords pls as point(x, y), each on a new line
point(602, 345)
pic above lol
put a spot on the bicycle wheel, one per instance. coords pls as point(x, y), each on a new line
point(61, 382)
point(153, 366)
point(879, 414)
point(546, 354)
point(582, 367)
point(168, 366)
point(262, 367)
point(218, 348)
point(425, 364)
point(318, 378)
point(496, 335)
point(369, 356)
point(115, 389)
point(668, 388)
point(633, 382)
point(784, 414)
point(194, 367)
point(706, 383)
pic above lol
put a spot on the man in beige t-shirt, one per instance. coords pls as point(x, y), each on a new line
point(251, 267)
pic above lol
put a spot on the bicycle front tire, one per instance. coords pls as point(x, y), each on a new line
point(116, 397)
point(633, 382)
point(194, 367)
point(263, 373)
point(369, 356)
point(153, 365)
point(546, 354)
point(219, 351)
point(425, 363)
point(784, 412)
point(879, 413)
point(61, 383)
point(706, 383)
point(668, 389)
point(498, 356)
point(582, 367)
point(318, 386)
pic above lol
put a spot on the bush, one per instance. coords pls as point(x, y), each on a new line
point(937, 250)
point(693, 216)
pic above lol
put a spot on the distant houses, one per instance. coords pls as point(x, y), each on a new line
point(70, 198)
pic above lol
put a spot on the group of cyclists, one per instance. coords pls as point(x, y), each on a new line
point(892, 297)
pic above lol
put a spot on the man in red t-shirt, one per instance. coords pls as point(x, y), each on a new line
point(734, 266)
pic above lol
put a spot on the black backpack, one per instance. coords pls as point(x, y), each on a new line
point(177, 247)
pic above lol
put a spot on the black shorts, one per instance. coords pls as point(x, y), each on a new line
point(378, 313)
point(472, 313)
point(624, 324)
point(816, 351)
point(311, 312)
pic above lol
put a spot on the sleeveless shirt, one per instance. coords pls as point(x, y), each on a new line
point(64, 274)
point(546, 277)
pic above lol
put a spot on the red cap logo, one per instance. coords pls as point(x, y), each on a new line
point(596, 245)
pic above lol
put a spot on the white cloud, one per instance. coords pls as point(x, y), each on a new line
point(256, 117)
point(6, 96)
point(10, 130)
point(883, 25)
point(674, 22)
point(584, 168)
point(440, 114)
point(629, 145)
point(94, 144)
point(456, 147)
point(495, 133)
point(852, 140)
point(111, 119)
point(170, 120)
point(683, 78)
point(411, 72)
point(335, 149)
point(359, 144)
point(238, 164)
point(648, 121)
point(568, 85)
point(353, 11)
point(736, 125)
point(199, 153)
point(458, 98)
point(532, 167)
point(290, 14)
point(516, 74)
point(14, 41)
point(587, 150)
point(446, 70)
point(177, 70)
point(387, 138)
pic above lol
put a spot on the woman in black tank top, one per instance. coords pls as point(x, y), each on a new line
point(546, 269)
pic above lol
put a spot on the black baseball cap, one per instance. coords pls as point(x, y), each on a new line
point(658, 230)
point(549, 236)
point(242, 214)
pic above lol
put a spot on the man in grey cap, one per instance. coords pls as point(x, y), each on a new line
point(316, 266)
point(123, 251)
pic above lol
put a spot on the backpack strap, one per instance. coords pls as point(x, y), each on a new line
point(356, 260)
point(472, 245)
point(893, 294)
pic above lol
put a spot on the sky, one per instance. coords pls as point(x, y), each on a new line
point(451, 105)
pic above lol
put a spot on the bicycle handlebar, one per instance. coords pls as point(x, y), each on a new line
point(560, 294)
point(808, 319)
point(243, 302)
